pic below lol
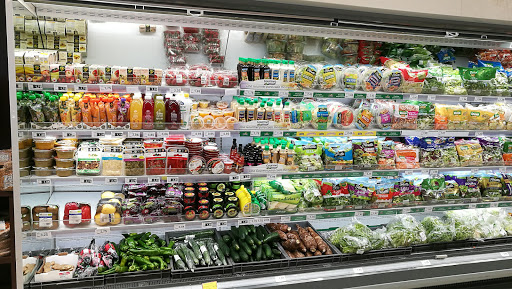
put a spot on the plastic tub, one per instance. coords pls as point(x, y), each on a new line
point(43, 172)
point(25, 153)
point(65, 152)
point(45, 144)
point(64, 163)
point(44, 162)
point(24, 163)
point(65, 172)
point(24, 172)
point(43, 154)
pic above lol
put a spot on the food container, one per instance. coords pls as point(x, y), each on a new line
point(56, 275)
point(65, 152)
point(43, 172)
point(26, 218)
point(67, 142)
point(25, 153)
point(45, 217)
point(77, 214)
point(189, 213)
point(88, 160)
point(204, 103)
point(108, 212)
point(65, 172)
point(64, 163)
point(24, 143)
point(24, 162)
point(24, 172)
point(48, 163)
point(45, 144)
point(43, 154)
point(228, 166)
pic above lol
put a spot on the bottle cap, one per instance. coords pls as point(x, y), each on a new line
point(266, 148)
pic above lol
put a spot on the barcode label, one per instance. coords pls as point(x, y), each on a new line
point(151, 88)
point(111, 181)
point(150, 134)
point(195, 90)
point(80, 88)
point(197, 134)
point(35, 86)
point(106, 88)
point(39, 134)
point(130, 180)
point(60, 87)
point(69, 134)
point(234, 178)
point(86, 181)
point(118, 134)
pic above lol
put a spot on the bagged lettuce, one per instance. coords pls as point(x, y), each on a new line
point(477, 80)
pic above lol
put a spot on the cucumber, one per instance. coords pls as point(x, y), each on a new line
point(249, 240)
point(234, 255)
point(259, 252)
point(179, 262)
point(234, 243)
point(180, 252)
point(276, 252)
point(253, 247)
point(223, 247)
point(274, 236)
point(263, 257)
point(211, 251)
point(273, 245)
point(256, 240)
point(243, 232)
point(260, 232)
point(245, 248)
point(190, 258)
point(252, 229)
point(195, 247)
point(206, 254)
point(243, 256)
point(220, 254)
point(236, 232)
point(226, 239)
point(201, 234)
point(268, 251)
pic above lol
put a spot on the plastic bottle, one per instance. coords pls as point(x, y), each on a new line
point(241, 110)
point(260, 112)
point(275, 153)
point(265, 70)
point(250, 68)
point(291, 71)
point(243, 69)
point(86, 111)
point(185, 110)
point(65, 116)
point(241, 159)
point(172, 113)
point(256, 69)
point(102, 110)
point(111, 111)
point(148, 111)
point(283, 154)
point(232, 152)
point(269, 111)
point(274, 67)
point(159, 112)
point(283, 71)
point(285, 118)
point(251, 111)
point(95, 112)
point(136, 112)
point(290, 155)
point(278, 112)
point(266, 155)
point(123, 110)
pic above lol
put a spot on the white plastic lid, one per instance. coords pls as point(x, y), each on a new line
point(160, 97)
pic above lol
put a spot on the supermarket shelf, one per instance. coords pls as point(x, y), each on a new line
point(225, 222)
point(114, 180)
point(118, 88)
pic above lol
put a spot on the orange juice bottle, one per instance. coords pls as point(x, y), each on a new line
point(136, 112)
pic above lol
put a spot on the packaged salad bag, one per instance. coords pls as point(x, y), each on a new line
point(470, 152)
point(365, 153)
point(434, 81)
point(491, 150)
point(449, 154)
point(477, 80)
point(386, 154)
point(453, 82)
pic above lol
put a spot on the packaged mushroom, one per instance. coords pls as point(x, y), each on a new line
point(45, 217)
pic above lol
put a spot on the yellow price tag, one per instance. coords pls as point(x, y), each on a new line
point(365, 133)
point(210, 285)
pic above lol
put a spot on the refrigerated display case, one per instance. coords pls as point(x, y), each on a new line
point(170, 147)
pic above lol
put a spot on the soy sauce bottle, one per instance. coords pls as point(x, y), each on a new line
point(242, 69)
point(265, 70)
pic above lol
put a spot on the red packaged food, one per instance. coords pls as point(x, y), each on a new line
point(155, 161)
point(224, 79)
point(210, 33)
point(176, 77)
point(177, 159)
point(199, 77)
point(190, 30)
point(76, 214)
point(175, 139)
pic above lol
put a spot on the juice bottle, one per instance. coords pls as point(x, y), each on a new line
point(241, 110)
point(103, 111)
point(172, 113)
point(148, 111)
point(76, 112)
point(111, 110)
point(290, 155)
point(265, 70)
point(251, 110)
point(123, 108)
point(185, 110)
point(242, 69)
point(159, 113)
point(65, 117)
point(283, 71)
point(278, 112)
point(136, 112)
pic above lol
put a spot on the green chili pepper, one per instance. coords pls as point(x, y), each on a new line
point(130, 241)
point(161, 262)
point(144, 261)
point(134, 267)
point(153, 252)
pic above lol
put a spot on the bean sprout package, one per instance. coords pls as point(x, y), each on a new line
point(338, 156)
point(477, 80)
point(470, 152)
point(307, 156)
point(365, 153)
point(335, 192)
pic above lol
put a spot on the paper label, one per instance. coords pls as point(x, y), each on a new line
point(45, 220)
point(75, 216)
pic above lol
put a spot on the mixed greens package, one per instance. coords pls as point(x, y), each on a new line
point(337, 156)
point(470, 152)
point(365, 153)
point(386, 153)
point(335, 192)
point(491, 150)
point(477, 80)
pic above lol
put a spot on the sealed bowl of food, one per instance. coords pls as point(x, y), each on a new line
point(222, 104)
point(64, 163)
point(65, 172)
point(43, 172)
point(24, 172)
point(43, 154)
point(22, 144)
point(44, 162)
point(45, 143)
point(204, 103)
point(65, 152)
point(67, 142)
point(25, 153)
point(24, 162)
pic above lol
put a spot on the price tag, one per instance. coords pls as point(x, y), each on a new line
point(425, 263)
point(463, 98)
point(222, 224)
point(197, 134)
point(151, 89)
point(431, 97)
point(504, 254)
point(69, 134)
point(130, 180)
point(255, 133)
point(478, 98)
point(162, 134)
point(308, 94)
point(21, 134)
point(358, 270)
point(474, 171)
point(428, 209)
point(479, 133)
point(19, 86)
point(265, 220)
point(472, 206)
point(280, 279)
point(38, 134)
point(243, 222)
point(132, 89)
point(180, 227)
point(153, 180)
point(310, 217)
point(285, 219)
point(367, 174)
point(374, 213)
point(503, 169)
point(98, 134)
point(35, 86)
point(209, 134)
point(494, 205)
point(434, 172)
point(474, 200)
point(44, 181)
point(245, 177)
point(111, 181)
point(234, 178)
point(150, 134)
point(43, 235)
point(371, 95)
point(60, 87)
point(283, 93)
point(358, 214)
point(413, 97)
point(118, 134)
point(106, 88)
point(408, 172)
point(501, 99)
point(174, 89)
point(230, 92)
point(80, 88)
point(173, 180)
point(248, 92)
point(86, 181)
point(134, 134)
point(225, 134)
point(195, 90)
point(278, 133)
point(349, 94)
point(210, 285)
point(207, 225)
point(102, 231)
point(271, 176)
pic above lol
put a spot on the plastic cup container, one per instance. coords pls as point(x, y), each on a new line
point(64, 163)
point(44, 162)
point(45, 144)
point(43, 154)
point(25, 153)
point(65, 172)
point(228, 166)
point(43, 172)
point(24, 162)
point(228, 112)
point(65, 152)
point(24, 172)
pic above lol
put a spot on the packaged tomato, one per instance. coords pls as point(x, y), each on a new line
point(210, 33)
point(77, 214)
point(176, 77)
point(224, 78)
